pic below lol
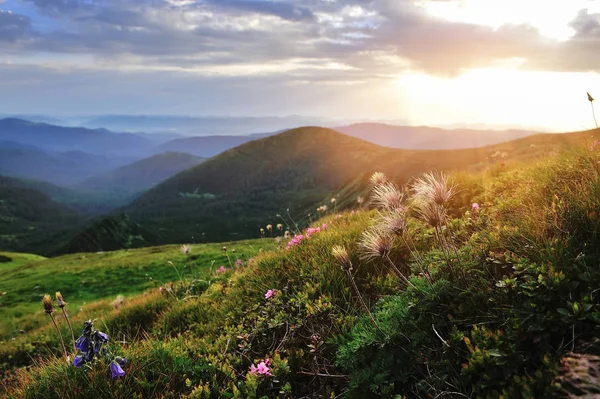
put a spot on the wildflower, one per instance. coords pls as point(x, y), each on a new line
point(121, 360)
point(387, 196)
point(186, 249)
point(262, 231)
point(261, 369)
point(161, 289)
point(431, 213)
point(279, 226)
point(341, 256)
point(374, 244)
point(239, 262)
point(78, 361)
point(333, 200)
point(360, 200)
point(324, 226)
point(393, 223)
point(378, 178)
point(475, 207)
point(270, 227)
point(270, 294)
point(286, 235)
point(83, 343)
point(47, 302)
point(49, 309)
point(60, 301)
point(62, 304)
point(224, 249)
point(221, 270)
point(116, 370)
point(434, 187)
point(120, 299)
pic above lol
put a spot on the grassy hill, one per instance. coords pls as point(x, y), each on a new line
point(86, 277)
point(498, 300)
point(429, 138)
point(241, 190)
point(140, 175)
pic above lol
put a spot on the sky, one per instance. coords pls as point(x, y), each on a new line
point(441, 62)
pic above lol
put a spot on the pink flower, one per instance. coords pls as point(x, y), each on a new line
point(270, 294)
point(239, 262)
point(324, 226)
point(161, 289)
point(261, 369)
point(221, 270)
point(475, 207)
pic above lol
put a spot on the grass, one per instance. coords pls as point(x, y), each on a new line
point(485, 303)
point(12, 260)
point(86, 277)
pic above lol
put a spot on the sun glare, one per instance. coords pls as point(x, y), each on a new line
point(503, 97)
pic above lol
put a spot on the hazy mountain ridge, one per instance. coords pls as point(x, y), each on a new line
point(141, 175)
point(429, 138)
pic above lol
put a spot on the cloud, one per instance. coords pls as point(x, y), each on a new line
point(377, 37)
point(13, 27)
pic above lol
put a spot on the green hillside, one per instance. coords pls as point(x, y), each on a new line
point(81, 201)
point(233, 194)
point(140, 175)
point(86, 277)
point(434, 296)
point(30, 221)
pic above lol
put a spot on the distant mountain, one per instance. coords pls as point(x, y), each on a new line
point(429, 138)
point(235, 193)
point(203, 125)
point(82, 202)
point(58, 168)
point(52, 138)
point(30, 221)
point(208, 146)
point(140, 175)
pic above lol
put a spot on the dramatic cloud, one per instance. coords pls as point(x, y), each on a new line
point(13, 27)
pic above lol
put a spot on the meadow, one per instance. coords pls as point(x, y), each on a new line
point(471, 284)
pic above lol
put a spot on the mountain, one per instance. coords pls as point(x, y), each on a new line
point(235, 193)
point(208, 146)
point(78, 201)
point(140, 175)
point(53, 138)
point(31, 221)
point(203, 125)
point(429, 138)
point(65, 168)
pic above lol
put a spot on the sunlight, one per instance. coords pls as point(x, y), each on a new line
point(502, 96)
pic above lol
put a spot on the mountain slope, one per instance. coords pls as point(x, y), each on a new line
point(61, 139)
point(30, 221)
point(428, 138)
point(237, 192)
point(141, 175)
point(79, 201)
